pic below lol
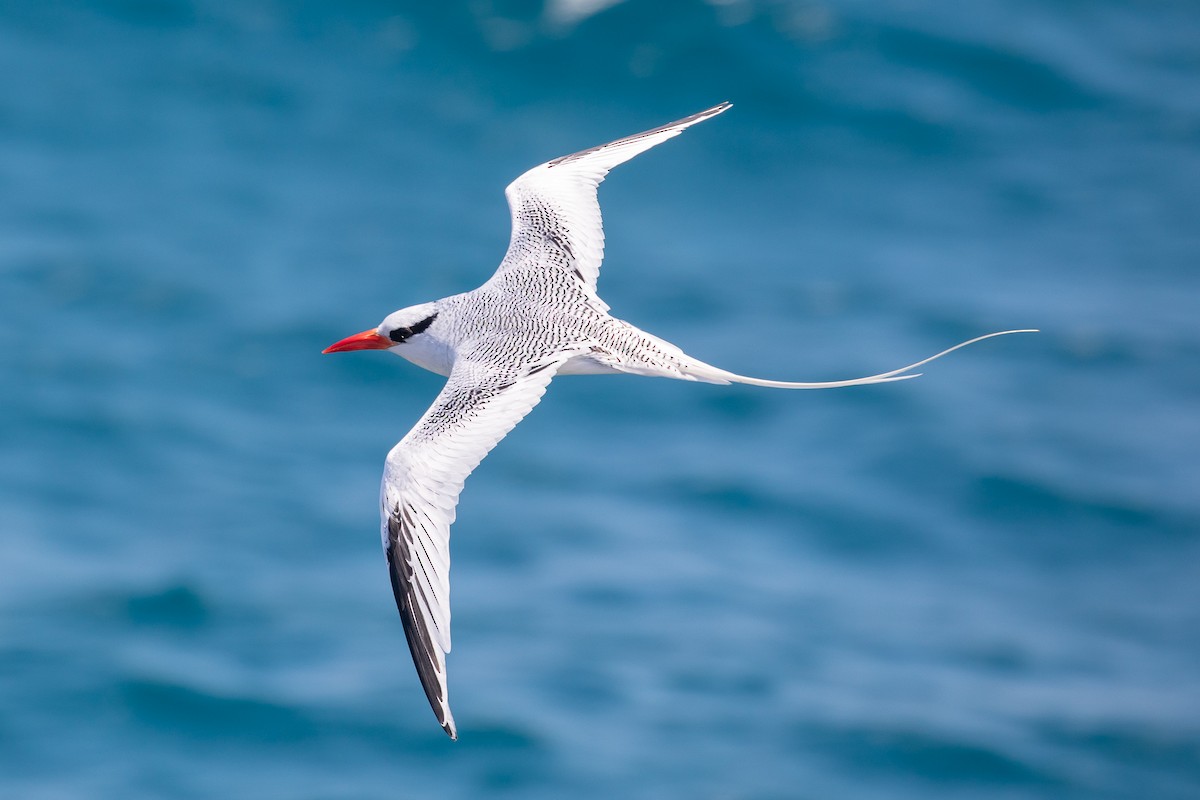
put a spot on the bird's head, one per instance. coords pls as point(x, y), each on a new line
point(404, 327)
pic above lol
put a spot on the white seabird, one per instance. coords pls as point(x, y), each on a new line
point(500, 345)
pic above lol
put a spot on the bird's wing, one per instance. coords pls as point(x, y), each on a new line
point(422, 479)
point(555, 215)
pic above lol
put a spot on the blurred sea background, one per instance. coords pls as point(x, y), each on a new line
point(984, 583)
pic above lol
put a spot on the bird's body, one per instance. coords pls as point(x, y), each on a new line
point(500, 345)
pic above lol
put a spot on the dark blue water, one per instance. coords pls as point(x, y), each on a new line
point(984, 583)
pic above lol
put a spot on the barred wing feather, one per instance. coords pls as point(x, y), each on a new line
point(556, 221)
point(422, 479)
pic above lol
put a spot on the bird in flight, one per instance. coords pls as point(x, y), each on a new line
point(499, 346)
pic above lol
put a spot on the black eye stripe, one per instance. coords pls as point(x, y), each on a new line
point(400, 334)
point(423, 324)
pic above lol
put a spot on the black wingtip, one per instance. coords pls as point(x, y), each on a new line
point(719, 108)
point(420, 646)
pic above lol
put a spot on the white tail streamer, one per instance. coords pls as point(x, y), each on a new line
point(706, 372)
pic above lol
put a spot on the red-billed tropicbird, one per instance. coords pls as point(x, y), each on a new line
point(500, 345)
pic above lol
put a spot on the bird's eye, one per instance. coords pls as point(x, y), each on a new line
point(399, 335)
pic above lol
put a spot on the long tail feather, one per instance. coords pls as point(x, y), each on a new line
point(706, 372)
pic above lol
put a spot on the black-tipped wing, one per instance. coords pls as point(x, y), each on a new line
point(422, 479)
point(556, 220)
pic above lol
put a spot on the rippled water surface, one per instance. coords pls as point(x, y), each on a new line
point(983, 583)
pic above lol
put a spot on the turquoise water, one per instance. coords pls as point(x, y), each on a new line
point(983, 583)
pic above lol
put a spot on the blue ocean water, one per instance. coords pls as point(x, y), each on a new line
point(984, 583)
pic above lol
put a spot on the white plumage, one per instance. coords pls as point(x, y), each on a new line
point(500, 345)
